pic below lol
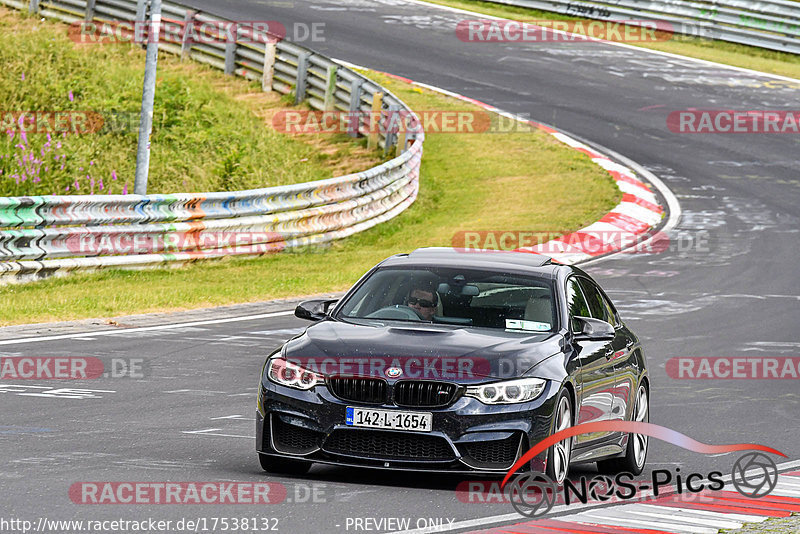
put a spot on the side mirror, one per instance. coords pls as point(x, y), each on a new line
point(314, 310)
point(592, 329)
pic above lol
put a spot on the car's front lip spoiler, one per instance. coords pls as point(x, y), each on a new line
point(416, 468)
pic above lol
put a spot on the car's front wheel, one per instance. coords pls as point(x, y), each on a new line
point(284, 466)
point(636, 451)
point(559, 455)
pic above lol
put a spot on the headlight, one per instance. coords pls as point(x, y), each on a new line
point(291, 375)
point(509, 392)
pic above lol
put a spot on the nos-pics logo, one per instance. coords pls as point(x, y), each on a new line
point(753, 475)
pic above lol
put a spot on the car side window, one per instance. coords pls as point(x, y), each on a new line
point(598, 306)
point(612, 313)
point(576, 303)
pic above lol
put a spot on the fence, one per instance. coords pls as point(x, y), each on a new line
point(771, 24)
point(45, 235)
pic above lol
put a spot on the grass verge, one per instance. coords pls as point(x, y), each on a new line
point(748, 57)
point(523, 181)
point(209, 129)
point(788, 525)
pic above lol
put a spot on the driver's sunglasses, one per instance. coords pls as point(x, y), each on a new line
point(424, 303)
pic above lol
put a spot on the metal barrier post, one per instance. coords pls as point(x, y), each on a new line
point(90, 10)
point(140, 24)
point(355, 107)
point(188, 33)
point(392, 128)
point(33, 8)
point(302, 73)
point(374, 120)
point(270, 50)
point(330, 89)
point(230, 53)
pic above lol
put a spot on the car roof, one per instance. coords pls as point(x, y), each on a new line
point(524, 262)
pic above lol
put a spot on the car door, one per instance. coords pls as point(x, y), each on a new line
point(619, 353)
point(596, 369)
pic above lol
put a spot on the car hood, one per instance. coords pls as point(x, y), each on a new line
point(419, 351)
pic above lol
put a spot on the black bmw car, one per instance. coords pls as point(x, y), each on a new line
point(453, 361)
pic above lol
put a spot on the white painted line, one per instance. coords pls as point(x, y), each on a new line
point(607, 228)
point(567, 140)
point(637, 212)
point(635, 190)
point(789, 481)
point(672, 514)
point(788, 491)
point(622, 45)
point(123, 331)
point(621, 519)
point(610, 165)
point(741, 518)
point(210, 432)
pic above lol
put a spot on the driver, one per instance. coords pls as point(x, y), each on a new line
point(423, 300)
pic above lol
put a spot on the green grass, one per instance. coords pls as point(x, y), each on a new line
point(748, 57)
point(788, 525)
point(525, 181)
point(209, 129)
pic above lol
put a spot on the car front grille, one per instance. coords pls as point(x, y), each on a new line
point(424, 393)
point(293, 439)
point(365, 390)
point(388, 445)
point(492, 454)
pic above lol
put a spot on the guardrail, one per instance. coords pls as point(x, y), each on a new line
point(770, 24)
point(45, 235)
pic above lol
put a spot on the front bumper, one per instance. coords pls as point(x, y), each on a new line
point(466, 437)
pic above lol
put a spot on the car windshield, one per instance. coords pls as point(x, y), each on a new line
point(466, 297)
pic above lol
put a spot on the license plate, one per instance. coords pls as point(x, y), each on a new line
point(389, 419)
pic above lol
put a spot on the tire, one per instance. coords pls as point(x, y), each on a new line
point(559, 455)
point(636, 452)
point(284, 466)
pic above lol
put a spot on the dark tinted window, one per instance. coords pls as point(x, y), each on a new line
point(462, 297)
point(612, 314)
point(598, 306)
point(576, 302)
